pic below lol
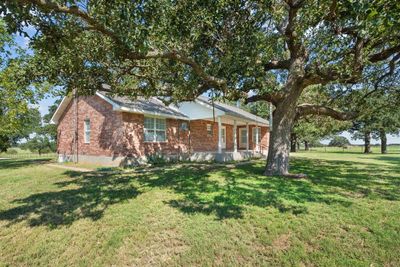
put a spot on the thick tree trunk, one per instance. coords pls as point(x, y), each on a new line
point(283, 120)
point(382, 134)
point(293, 142)
point(306, 146)
point(367, 142)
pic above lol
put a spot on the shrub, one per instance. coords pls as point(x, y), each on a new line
point(156, 159)
point(11, 151)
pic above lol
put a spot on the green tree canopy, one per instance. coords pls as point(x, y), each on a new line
point(275, 50)
point(339, 141)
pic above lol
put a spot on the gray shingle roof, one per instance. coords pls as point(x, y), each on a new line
point(147, 106)
point(156, 107)
point(233, 111)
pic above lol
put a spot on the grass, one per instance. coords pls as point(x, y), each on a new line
point(346, 213)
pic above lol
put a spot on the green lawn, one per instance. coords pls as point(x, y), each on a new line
point(347, 213)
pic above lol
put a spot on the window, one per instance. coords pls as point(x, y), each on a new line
point(209, 129)
point(154, 130)
point(243, 137)
point(87, 131)
point(255, 130)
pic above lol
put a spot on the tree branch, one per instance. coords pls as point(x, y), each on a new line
point(132, 55)
point(309, 109)
point(290, 34)
point(384, 54)
point(277, 64)
point(273, 98)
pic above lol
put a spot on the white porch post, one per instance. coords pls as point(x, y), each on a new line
point(234, 136)
point(257, 133)
point(219, 135)
point(247, 136)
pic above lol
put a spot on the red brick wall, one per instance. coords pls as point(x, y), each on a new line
point(121, 134)
point(202, 141)
point(114, 133)
point(132, 143)
point(105, 127)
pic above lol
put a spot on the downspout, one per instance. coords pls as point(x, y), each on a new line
point(76, 126)
point(190, 145)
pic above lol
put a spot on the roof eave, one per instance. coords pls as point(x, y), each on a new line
point(60, 109)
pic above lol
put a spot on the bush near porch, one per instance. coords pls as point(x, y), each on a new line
point(346, 213)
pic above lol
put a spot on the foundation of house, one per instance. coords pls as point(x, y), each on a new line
point(225, 156)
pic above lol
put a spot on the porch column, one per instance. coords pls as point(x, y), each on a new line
point(219, 135)
point(234, 136)
point(247, 136)
point(257, 133)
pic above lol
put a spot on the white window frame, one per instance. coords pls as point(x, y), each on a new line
point(86, 131)
point(253, 133)
point(155, 130)
point(242, 132)
point(209, 129)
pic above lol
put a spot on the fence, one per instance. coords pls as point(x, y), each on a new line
point(27, 155)
point(354, 149)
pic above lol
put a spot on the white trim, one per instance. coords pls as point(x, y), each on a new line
point(247, 136)
point(241, 144)
point(85, 131)
point(235, 136)
point(61, 108)
point(219, 135)
point(257, 136)
point(155, 130)
point(223, 141)
point(109, 101)
point(209, 106)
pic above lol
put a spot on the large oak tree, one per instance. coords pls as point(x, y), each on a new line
point(260, 50)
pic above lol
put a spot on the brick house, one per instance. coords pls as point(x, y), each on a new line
point(118, 131)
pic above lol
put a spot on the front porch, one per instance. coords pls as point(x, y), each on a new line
point(237, 139)
point(223, 132)
point(225, 156)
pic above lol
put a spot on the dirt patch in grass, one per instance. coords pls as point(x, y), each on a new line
point(159, 248)
point(282, 242)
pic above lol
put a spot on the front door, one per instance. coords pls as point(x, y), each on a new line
point(242, 137)
point(223, 137)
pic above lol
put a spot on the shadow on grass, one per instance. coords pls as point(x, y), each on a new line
point(222, 192)
point(353, 178)
point(14, 164)
point(227, 192)
point(87, 195)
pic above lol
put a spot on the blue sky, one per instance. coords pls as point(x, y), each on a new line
point(49, 100)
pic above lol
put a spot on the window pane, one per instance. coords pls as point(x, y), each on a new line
point(87, 137)
point(87, 125)
point(243, 136)
point(149, 123)
point(255, 130)
point(160, 124)
point(160, 136)
point(148, 135)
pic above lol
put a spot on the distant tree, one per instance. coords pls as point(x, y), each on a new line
point(45, 133)
point(339, 141)
point(310, 130)
point(41, 143)
point(258, 50)
point(49, 127)
point(379, 119)
point(17, 93)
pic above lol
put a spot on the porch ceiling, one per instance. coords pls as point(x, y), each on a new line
point(227, 119)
